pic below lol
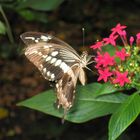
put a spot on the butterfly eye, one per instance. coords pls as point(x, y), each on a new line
point(69, 81)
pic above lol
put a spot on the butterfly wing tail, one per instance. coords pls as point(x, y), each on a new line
point(66, 91)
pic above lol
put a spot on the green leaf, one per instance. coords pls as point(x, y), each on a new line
point(43, 5)
point(31, 15)
point(124, 116)
point(87, 105)
point(2, 28)
point(110, 49)
point(113, 98)
point(27, 14)
point(105, 88)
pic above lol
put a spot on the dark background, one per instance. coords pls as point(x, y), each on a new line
point(20, 80)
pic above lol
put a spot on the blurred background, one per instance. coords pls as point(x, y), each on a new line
point(20, 80)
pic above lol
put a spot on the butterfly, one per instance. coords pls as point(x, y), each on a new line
point(58, 62)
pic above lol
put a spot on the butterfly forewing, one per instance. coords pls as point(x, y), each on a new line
point(35, 37)
point(57, 62)
point(47, 52)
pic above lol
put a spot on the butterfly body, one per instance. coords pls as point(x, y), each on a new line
point(58, 62)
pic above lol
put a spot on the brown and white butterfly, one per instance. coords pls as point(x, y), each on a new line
point(58, 62)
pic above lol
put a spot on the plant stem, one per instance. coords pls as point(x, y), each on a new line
point(9, 31)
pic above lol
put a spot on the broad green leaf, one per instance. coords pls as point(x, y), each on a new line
point(43, 5)
point(2, 28)
point(124, 116)
point(87, 106)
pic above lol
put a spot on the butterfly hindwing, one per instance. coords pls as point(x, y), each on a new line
point(65, 89)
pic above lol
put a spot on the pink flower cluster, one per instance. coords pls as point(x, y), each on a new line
point(107, 65)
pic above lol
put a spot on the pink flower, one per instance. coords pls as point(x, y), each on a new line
point(108, 60)
point(138, 39)
point(104, 60)
point(124, 38)
point(131, 40)
point(122, 54)
point(99, 60)
point(110, 40)
point(138, 35)
point(123, 33)
point(118, 29)
point(104, 74)
point(98, 45)
point(121, 78)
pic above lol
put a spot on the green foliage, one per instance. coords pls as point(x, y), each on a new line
point(32, 9)
point(92, 101)
point(124, 116)
point(36, 6)
point(43, 5)
point(6, 27)
point(2, 28)
point(110, 49)
point(33, 15)
point(87, 105)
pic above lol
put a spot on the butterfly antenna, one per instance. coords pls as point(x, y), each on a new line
point(83, 32)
